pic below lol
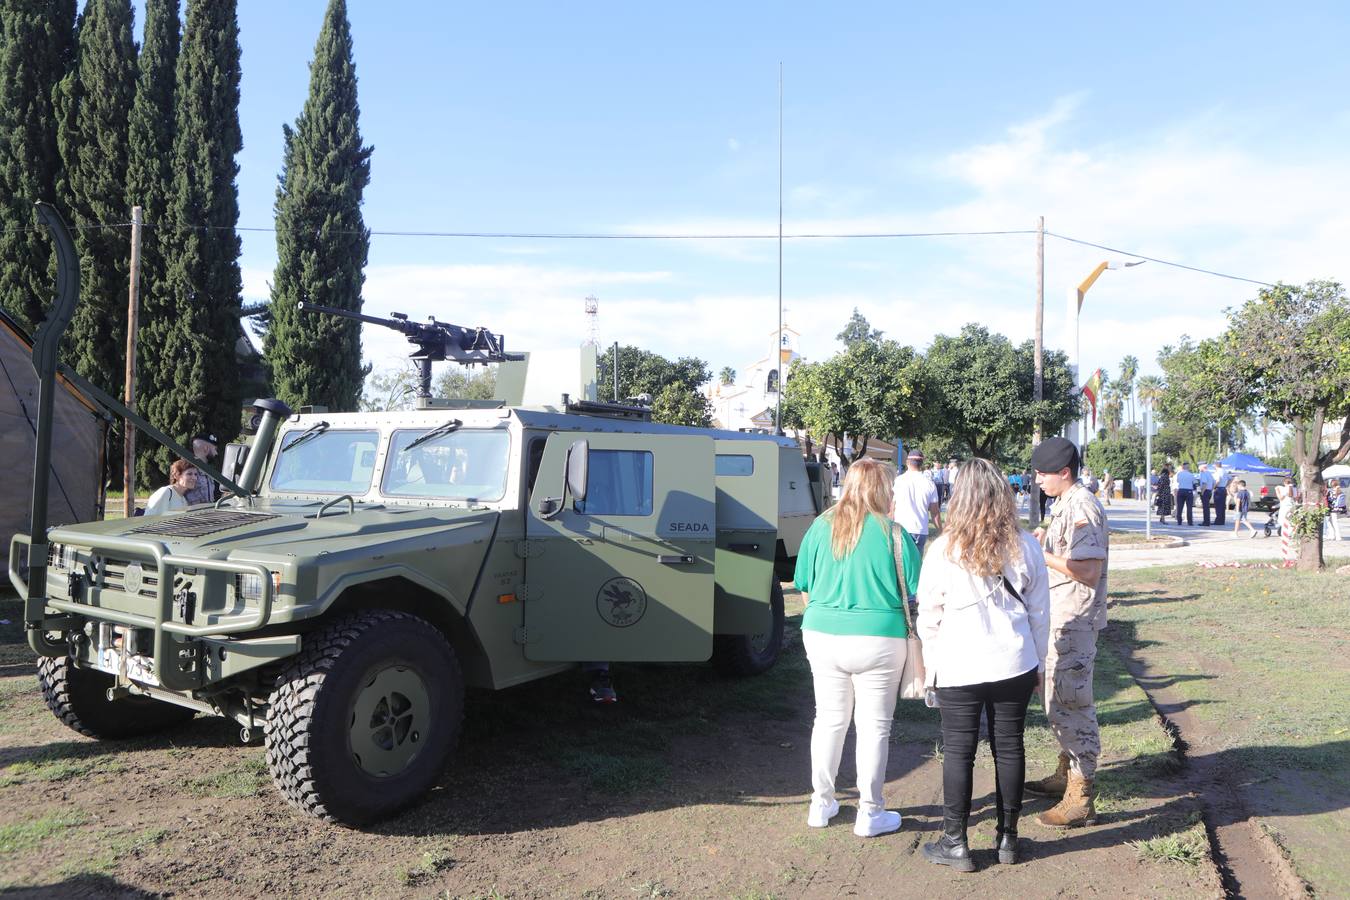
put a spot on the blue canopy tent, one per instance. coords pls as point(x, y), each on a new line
point(1245, 462)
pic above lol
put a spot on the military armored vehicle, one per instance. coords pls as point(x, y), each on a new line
point(365, 568)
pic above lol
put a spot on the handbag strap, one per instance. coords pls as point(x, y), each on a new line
point(897, 552)
point(1012, 590)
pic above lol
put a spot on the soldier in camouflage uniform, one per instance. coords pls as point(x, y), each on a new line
point(1076, 544)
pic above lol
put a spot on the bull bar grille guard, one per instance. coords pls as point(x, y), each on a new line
point(162, 623)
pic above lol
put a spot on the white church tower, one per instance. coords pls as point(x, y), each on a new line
point(749, 404)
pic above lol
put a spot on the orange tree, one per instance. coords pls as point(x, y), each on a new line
point(1286, 354)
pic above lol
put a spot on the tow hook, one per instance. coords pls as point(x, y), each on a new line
point(187, 602)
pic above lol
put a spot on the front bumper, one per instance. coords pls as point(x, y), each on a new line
point(164, 603)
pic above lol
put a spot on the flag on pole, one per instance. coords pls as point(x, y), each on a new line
point(1092, 390)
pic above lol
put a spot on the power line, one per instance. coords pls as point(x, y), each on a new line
point(1161, 262)
point(640, 236)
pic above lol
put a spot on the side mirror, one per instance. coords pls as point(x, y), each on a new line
point(578, 468)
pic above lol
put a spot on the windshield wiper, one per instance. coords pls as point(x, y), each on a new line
point(438, 431)
point(312, 432)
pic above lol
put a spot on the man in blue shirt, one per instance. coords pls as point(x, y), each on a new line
point(1186, 493)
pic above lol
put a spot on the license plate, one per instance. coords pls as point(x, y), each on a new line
point(139, 668)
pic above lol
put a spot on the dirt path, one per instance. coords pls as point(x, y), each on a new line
point(1249, 862)
point(693, 786)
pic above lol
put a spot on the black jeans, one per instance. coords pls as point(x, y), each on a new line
point(1004, 704)
point(1185, 498)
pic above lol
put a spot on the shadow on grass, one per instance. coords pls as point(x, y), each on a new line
point(1142, 598)
point(543, 755)
point(203, 731)
point(79, 886)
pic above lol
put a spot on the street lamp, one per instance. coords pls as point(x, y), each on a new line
point(1075, 314)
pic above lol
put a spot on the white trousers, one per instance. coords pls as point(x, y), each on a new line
point(856, 678)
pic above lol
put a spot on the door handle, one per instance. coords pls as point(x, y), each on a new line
point(667, 560)
point(743, 548)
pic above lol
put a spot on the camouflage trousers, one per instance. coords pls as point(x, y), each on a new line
point(1069, 705)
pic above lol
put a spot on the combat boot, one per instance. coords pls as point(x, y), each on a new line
point(1076, 808)
point(1005, 838)
point(1052, 785)
point(951, 848)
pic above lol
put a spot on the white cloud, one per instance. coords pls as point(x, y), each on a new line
point(1201, 192)
point(733, 145)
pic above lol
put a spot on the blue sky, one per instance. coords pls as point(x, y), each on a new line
point(1212, 135)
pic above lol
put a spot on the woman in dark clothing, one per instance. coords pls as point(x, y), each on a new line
point(1164, 493)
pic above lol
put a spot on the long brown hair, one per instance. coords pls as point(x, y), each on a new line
point(868, 488)
point(982, 531)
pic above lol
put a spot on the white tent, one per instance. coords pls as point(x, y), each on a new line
point(75, 493)
point(1339, 471)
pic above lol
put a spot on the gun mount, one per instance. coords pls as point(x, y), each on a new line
point(433, 342)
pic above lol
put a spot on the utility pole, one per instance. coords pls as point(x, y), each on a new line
point(1034, 497)
point(778, 350)
point(616, 371)
point(129, 391)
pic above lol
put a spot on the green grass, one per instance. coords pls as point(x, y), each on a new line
point(113, 846)
point(20, 836)
point(248, 779)
point(1189, 847)
point(431, 863)
point(1135, 537)
point(1260, 658)
point(62, 761)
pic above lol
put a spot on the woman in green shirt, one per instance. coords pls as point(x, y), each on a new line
point(854, 633)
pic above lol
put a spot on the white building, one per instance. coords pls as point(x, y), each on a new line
point(749, 404)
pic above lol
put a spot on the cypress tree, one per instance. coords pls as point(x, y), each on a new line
point(93, 102)
point(37, 41)
point(197, 382)
point(322, 241)
point(149, 185)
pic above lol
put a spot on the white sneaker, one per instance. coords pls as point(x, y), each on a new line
point(873, 824)
point(819, 816)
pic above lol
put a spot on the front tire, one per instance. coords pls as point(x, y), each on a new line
point(364, 721)
point(79, 698)
point(752, 654)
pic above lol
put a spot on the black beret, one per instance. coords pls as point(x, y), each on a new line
point(1054, 454)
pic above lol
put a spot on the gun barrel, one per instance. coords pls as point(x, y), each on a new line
point(398, 324)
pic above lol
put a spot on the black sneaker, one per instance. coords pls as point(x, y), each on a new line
point(602, 689)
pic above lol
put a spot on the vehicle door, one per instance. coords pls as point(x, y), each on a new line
point(625, 574)
point(747, 534)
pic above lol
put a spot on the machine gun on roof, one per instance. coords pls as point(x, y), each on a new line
point(434, 342)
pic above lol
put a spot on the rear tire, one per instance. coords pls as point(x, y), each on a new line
point(363, 722)
point(752, 654)
point(79, 698)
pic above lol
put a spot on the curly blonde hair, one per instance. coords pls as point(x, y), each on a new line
point(982, 530)
point(868, 488)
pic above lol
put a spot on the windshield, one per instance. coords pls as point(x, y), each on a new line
point(460, 465)
point(330, 462)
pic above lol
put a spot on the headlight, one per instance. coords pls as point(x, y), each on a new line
point(250, 587)
point(62, 558)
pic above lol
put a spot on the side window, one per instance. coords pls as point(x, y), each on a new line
point(619, 484)
point(532, 461)
point(734, 464)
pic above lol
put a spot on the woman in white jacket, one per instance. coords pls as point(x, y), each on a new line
point(984, 618)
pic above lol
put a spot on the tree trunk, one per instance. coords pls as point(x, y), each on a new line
point(1314, 491)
